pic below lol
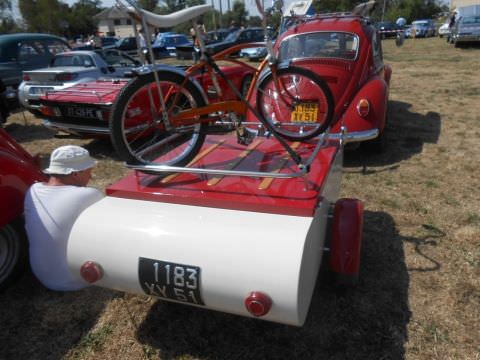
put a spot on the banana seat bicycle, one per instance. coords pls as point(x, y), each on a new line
point(161, 118)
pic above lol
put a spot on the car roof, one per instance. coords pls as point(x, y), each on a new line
point(17, 37)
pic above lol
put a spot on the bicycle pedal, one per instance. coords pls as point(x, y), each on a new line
point(245, 136)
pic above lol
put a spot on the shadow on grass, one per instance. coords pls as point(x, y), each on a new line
point(37, 323)
point(405, 134)
point(367, 323)
point(28, 132)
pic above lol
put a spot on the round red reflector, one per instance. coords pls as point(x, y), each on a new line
point(258, 303)
point(91, 271)
point(363, 107)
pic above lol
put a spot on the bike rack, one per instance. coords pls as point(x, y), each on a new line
point(304, 168)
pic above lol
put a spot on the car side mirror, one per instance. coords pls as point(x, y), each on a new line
point(111, 69)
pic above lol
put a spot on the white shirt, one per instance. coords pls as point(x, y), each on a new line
point(50, 212)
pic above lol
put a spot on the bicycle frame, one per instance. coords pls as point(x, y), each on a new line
point(208, 63)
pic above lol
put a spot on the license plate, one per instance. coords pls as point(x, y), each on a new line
point(305, 112)
point(169, 280)
point(39, 90)
point(81, 112)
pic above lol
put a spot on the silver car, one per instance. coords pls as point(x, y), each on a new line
point(69, 68)
point(466, 30)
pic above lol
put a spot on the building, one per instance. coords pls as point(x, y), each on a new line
point(114, 22)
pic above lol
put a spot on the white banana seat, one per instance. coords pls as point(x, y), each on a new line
point(173, 19)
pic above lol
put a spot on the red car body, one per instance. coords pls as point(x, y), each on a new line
point(18, 170)
point(346, 52)
point(84, 109)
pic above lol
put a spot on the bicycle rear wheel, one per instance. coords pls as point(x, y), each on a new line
point(300, 106)
point(138, 133)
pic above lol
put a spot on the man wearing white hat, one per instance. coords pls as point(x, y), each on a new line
point(51, 209)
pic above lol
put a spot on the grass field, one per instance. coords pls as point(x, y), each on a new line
point(419, 291)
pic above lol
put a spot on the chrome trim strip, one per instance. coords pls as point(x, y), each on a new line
point(72, 128)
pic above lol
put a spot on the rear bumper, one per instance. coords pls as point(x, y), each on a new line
point(77, 129)
point(356, 136)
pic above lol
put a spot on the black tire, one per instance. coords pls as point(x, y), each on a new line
point(299, 86)
point(13, 253)
point(141, 139)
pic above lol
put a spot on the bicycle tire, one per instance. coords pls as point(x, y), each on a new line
point(306, 89)
point(139, 138)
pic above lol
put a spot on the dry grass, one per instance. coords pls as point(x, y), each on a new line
point(419, 295)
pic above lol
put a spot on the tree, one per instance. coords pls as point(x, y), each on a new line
point(47, 16)
point(237, 15)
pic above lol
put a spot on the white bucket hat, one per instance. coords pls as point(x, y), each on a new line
point(70, 158)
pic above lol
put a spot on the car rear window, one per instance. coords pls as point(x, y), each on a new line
point(72, 60)
point(320, 44)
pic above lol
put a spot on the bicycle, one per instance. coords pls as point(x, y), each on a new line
point(163, 115)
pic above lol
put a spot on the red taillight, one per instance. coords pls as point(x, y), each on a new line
point(26, 77)
point(258, 303)
point(66, 76)
point(363, 107)
point(91, 272)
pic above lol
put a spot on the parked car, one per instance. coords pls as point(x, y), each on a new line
point(444, 29)
point(254, 53)
point(22, 52)
point(388, 29)
point(104, 42)
point(218, 35)
point(18, 170)
point(70, 68)
point(346, 52)
point(423, 28)
point(466, 31)
point(127, 44)
point(238, 37)
point(167, 44)
point(84, 109)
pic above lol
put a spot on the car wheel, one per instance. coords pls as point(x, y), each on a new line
point(13, 253)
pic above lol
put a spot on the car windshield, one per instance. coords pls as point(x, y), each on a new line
point(471, 20)
point(320, 44)
point(72, 60)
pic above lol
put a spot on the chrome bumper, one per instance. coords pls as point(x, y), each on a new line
point(355, 136)
point(76, 129)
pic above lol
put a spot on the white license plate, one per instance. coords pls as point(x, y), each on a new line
point(169, 280)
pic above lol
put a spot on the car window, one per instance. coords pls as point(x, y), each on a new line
point(232, 36)
point(27, 49)
point(72, 60)
point(55, 46)
point(320, 44)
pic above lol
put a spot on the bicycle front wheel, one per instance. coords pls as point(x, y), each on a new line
point(138, 130)
point(296, 102)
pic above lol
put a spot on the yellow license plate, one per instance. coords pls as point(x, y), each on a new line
point(305, 112)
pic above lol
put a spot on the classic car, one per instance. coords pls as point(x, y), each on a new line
point(421, 28)
point(70, 68)
point(18, 170)
point(167, 44)
point(346, 52)
point(83, 109)
point(240, 36)
point(23, 52)
point(388, 29)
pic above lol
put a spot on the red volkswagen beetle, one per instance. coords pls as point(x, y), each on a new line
point(345, 51)
point(18, 170)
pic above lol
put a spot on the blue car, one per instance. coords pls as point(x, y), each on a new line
point(422, 28)
point(166, 45)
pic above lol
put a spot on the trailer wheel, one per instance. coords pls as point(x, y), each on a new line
point(346, 241)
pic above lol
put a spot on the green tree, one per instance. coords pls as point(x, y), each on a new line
point(237, 15)
point(80, 18)
point(47, 16)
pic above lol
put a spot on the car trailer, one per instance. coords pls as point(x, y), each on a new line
point(237, 230)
